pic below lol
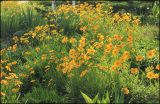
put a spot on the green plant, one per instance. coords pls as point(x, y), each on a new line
point(18, 20)
point(69, 23)
point(10, 97)
point(43, 95)
point(119, 98)
point(89, 100)
point(145, 94)
point(100, 60)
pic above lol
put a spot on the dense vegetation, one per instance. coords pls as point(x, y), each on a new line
point(87, 53)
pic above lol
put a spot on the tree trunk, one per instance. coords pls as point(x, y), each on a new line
point(73, 3)
point(53, 4)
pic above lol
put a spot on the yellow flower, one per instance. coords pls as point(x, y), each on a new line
point(95, 27)
point(117, 63)
point(116, 17)
point(84, 28)
point(98, 45)
point(113, 68)
point(134, 70)
point(14, 47)
point(71, 65)
point(24, 40)
point(91, 51)
point(37, 49)
point(44, 57)
point(156, 76)
point(119, 46)
point(8, 68)
point(31, 68)
point(101, 67)
point(27, 53)
point(126, 53)
point(38, 28)
point(109, 39)
point(72, 40)
point(3, 61)
point(158, 67)
point(100, 37)
point(150, 54)
point(82, 42)
point(64, 40)
point(115, 52)
point(15, 38)
point(32, 81)
point(150, 75)
point(64, 58)
point(23, 75)
point(125, 91)
point(47, 68)
point(139, 58)
point(126, 17)
point(4, 82)
point(33, 35)
point(130, 38)
point(2, 74)
point(72, 53)
point(125, 56)
point(136, 21)
point(14, 63)
point(116, 37)
point(32, 72)
point(110, 7)
point(2, 94)
point(11, 76)
point(14, 90)
point(109, 46)
point(83, 73)
point(86, 57)
point(64, 71)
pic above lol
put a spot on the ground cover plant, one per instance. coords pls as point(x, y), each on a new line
point(85, 54)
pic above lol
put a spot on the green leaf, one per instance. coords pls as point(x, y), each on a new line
point(87, 98)
point(107, 98)
point(98, 101)
point(95, 98)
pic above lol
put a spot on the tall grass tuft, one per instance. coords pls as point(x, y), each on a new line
point(18, 19)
